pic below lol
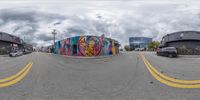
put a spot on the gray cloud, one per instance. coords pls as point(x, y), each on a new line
point(27, 22)
point(75, 29)
point(17, 15)
point(116, 19)
point(44, 37)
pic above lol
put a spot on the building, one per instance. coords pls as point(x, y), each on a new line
point(10, 42)
point(139, 42)
point(27, 48)
point(87, 46)
point(186, 42)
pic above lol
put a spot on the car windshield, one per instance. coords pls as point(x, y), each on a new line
point(99, 49)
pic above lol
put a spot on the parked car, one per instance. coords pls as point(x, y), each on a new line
point(139, 49)
point(167, 51)
point(16, 53)
point(27, 52)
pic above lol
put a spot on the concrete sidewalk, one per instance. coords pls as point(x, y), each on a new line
point(188, 56)
point(83, 57)
point(4, 55)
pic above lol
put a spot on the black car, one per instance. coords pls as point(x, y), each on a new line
point(167, 51)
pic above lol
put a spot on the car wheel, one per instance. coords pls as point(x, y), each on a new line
point(170, 55)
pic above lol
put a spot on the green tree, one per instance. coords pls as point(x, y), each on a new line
point(127, 48)
point(153, 45)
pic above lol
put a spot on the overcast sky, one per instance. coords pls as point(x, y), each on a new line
point(119, 19)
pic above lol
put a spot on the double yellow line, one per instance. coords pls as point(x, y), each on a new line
point(8, 81)
point(177, 83)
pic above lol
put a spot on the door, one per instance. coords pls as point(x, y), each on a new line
point(74, 49)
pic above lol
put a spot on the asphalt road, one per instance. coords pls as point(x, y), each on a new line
point(121, 77)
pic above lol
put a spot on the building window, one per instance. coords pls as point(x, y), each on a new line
point(181, 36)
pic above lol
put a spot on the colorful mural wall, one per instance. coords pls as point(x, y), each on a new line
point(87, 46)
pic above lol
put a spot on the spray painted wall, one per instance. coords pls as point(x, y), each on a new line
point(87, 46)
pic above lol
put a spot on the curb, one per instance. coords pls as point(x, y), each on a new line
point(82, 57)
point(189, 56)
point(4, 55)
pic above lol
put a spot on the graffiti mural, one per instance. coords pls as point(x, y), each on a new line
point(87, 46)
point(106, 48)
point(67, 47)
point(63, 49)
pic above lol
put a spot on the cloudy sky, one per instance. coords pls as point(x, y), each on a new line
point(119, 19)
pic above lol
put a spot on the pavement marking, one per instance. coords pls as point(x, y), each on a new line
point(170, 78)
point(18, 77)
point(165, 81)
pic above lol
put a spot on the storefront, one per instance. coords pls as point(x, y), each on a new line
point(9, 42)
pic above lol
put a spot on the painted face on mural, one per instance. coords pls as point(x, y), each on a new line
point(82, 44)
point(89, 46)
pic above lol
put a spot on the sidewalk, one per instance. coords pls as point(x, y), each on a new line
point(188, 56)
point(4, 55)
point(83, 57)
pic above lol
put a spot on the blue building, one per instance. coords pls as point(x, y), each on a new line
point(139, 42)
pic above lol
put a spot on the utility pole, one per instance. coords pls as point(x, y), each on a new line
point(24, 38)
point(54, 37)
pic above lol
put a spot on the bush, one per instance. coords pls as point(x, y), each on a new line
point(153, 45)
point(3, 51)
point(128, 48)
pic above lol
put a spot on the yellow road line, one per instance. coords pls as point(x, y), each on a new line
point(170, 78)
point(17, 79)
point(166, 82)
point(16, 75)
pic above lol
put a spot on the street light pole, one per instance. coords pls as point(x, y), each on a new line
point(54, 37)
